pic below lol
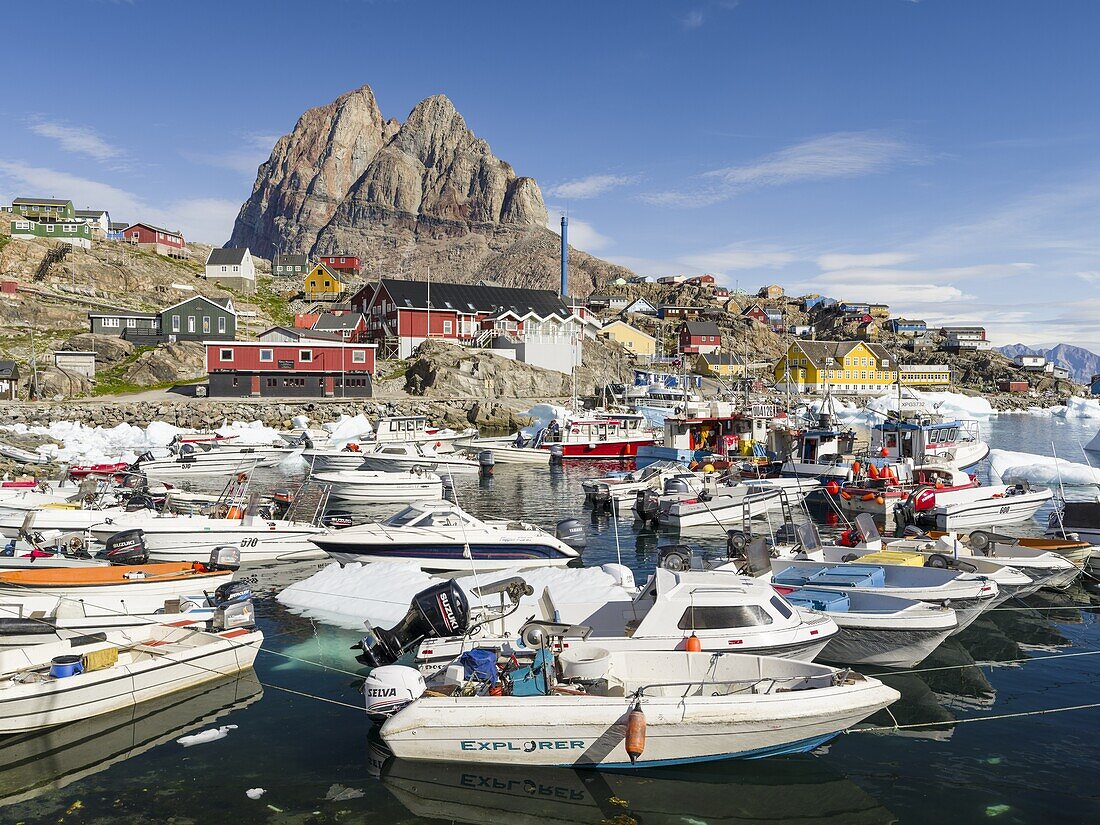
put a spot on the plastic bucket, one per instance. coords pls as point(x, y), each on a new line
point(62, 666)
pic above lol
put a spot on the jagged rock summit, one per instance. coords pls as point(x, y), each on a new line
point(405, 196)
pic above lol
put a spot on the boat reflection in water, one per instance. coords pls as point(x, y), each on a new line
point(769, 790)
point(37, 763)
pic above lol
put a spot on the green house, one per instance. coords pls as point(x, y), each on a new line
point(43, 209)
point(290, 265)
point(72, 232)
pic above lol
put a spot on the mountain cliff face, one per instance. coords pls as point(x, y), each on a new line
point(405, 197)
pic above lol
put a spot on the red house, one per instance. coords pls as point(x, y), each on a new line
point(757, 313)
point(701, 280)
point(700, 337)
point(345, 264)
point(307, 368)
point(155, 239)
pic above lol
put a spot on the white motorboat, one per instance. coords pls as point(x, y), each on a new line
point(212, 463)
point(371, 487)
point(794, 490)
point(55, 518)
point(875, 629)
point(228, 607)
point(623, 486)
point(440, 536)
point(988, 506)
point(1074, 521)
point(510, 450)
point(678, 707)
point(18, 497)
point(722, 612)
point(334, 459)
point(924, 436)
point(171, 537)
point(725, 505)
point(406, 456)
point(72, 680)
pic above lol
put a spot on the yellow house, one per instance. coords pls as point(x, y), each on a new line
point(844, 367)
point(719, 364)
point(630, 337)
point(321, 282)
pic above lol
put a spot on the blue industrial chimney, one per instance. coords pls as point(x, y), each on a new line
point(564, 257)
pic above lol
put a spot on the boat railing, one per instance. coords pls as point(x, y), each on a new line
point(771, 684)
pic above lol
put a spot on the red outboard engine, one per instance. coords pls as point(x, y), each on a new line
point(439, 611)
point(850, 538)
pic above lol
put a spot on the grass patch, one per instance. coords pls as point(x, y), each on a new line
point(111, 382)
point(271, 302)
point(397, 369)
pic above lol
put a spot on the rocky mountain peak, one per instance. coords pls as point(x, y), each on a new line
point(404, 196)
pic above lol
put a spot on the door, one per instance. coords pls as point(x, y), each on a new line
point(255, 385)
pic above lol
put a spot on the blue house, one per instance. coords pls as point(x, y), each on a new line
point(817, 301)
point(902, 326)
point(1094, 385)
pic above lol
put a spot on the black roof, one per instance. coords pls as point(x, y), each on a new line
point(290, 260)
point(702, 328)
point(233, 255)
point(470, 298)
point(112, 312)
point(328, 320)
point(299, 333)
point(49, 201)
point(8, 369)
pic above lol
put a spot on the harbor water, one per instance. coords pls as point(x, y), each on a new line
point(979, 735)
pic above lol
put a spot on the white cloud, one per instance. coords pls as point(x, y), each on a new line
point(828, 157)
point(209, 220)
point(582, 235)
point(78, 139)
point(590, 187)
point(737, 257)
point(839, 260)
point(692, 20)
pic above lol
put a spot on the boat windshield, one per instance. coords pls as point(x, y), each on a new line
point(722, 617)
point(403, 517)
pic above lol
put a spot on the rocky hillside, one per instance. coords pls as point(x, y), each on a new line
point(406, 196)
point(1081, 363)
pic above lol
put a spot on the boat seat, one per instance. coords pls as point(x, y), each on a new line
point(853, 575)
point(902, 557)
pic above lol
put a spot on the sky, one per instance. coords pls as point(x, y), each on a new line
point(939, 156)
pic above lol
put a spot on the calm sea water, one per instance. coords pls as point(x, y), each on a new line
point(301, 735)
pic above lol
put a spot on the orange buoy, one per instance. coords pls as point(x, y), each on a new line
point(880, 500)
point(939, 485)
point(832, 488)
point(844, 494)
point(872, 471)
point(234, 512)
point(856, 467)
point(693, 645)
point(635, 732)
point(868, 496)
point(884, 452)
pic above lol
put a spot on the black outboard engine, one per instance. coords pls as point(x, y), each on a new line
point(225, 557)
point(337, 519)
point(647, 504)
point(674, 557)
point(571, 532)
point(126, 547)
point(676, 486)
point(439, 611)
point(735, 544)
point(233, 606)
point(601, 498)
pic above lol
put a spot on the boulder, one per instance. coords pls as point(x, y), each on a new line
point(109, 349)
point(166, 363)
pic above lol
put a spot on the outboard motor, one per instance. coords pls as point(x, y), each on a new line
point(486, 462)
point(233, 607)
point(647, 503)
point(337, 519)
point(676, 486)
point(126, 547)
point(674, 557)
point(225, 557)
point(390, 688)
point(557, 453)
point(572, 533)
point(438, 611)
point(601, 498)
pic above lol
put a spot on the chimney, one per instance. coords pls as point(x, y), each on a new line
point(564, 257)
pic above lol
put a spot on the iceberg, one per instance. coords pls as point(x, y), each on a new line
point(1040, 470)
point(1079, 408)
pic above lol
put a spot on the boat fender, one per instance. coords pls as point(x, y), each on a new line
point(856, 467)
point(868, 496)
point(937, 560)
point(844, 494)
point(692, 644)
point(872, 471)
point(635, 732)
point(849, 557)
point(832, 488)
point(880, 500)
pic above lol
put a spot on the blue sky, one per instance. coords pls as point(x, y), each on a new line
point(941, 156)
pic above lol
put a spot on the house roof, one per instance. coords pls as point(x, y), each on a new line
point(118, 226)
point(470, 298)
point(299, 334)
point(722, 359)
point(9, 369)
point(328, 320)
point(221, 303)
point(818, 351)
point(599, 298)
point(702, 328)
point(332, 273)
point(632, 328)
point(47, 201)
point(161, 229)
point(112, 312)
point(290, 260)
point(227, 256)
point(90, 213)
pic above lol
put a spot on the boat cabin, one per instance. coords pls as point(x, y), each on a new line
point(402, 428)
point(920, 439)
point(434, 515)
point(722, 434)
point(826, 446)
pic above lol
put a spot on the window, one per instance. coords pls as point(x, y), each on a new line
point(49, 227)
point(328, 283)
point(273, 382)
point(267, 355)
point(226, 354)
point(447, 328)
point(190, 323)
point(221, 325)
point(225, 269)
point(206, 324)
point(305, 355)
point(236, 269)
point(235, 381)
point(175, 323)
point(359, 356)
point(110, 322)
point(781, 607)
point(723, 617)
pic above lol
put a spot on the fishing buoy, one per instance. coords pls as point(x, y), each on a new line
point(868, 496)
point(708, 468)
point(939, 484)
point(884, 452)
point(844, 494)
point(856, 467)
point(635, 732)
point(832, 488)
point(872, 471)
point(880, 500)
point(693, 645)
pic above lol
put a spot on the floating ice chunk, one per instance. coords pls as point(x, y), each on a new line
point(255, 793)
point(1042, 470)
point(348, 428)
point(205, 736)
point(543, 415)
point(1079, 408)
point(299, 422)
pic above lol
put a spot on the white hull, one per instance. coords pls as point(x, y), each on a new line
point(332, 461)
point(212, 466)
point(57, 520)
point(43, 631)
point(433, 564)
point(990, 512)
point(717, 511)
point(504, 452)
point(18, 502)
point(138, 676)
point(368, 487)
point(440, 464)
point(191, 538)
point(138, 596)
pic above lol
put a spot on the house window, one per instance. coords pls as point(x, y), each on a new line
point(175, 323)
point(328, 283)
point(221, 325)
point(273, 382)
point(267, 355)
point(359, 356)
point(206, 324)
point(110, 322)
point(190, 323)
point(49, 228)
point(447, 328)
point(225, 269)
point(226, 354)
point(236, 269)
point(131, 323)
point(305, 355)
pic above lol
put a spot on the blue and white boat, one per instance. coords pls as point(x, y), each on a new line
point(439, 536)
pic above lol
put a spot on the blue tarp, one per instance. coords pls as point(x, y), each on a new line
point(480, 664)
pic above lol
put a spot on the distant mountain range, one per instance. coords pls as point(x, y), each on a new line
point(1081, 363)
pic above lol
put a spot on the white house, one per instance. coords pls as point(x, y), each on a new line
point(232, 267)
point(98, 219)
point(1032, 362)
point(641, 306)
